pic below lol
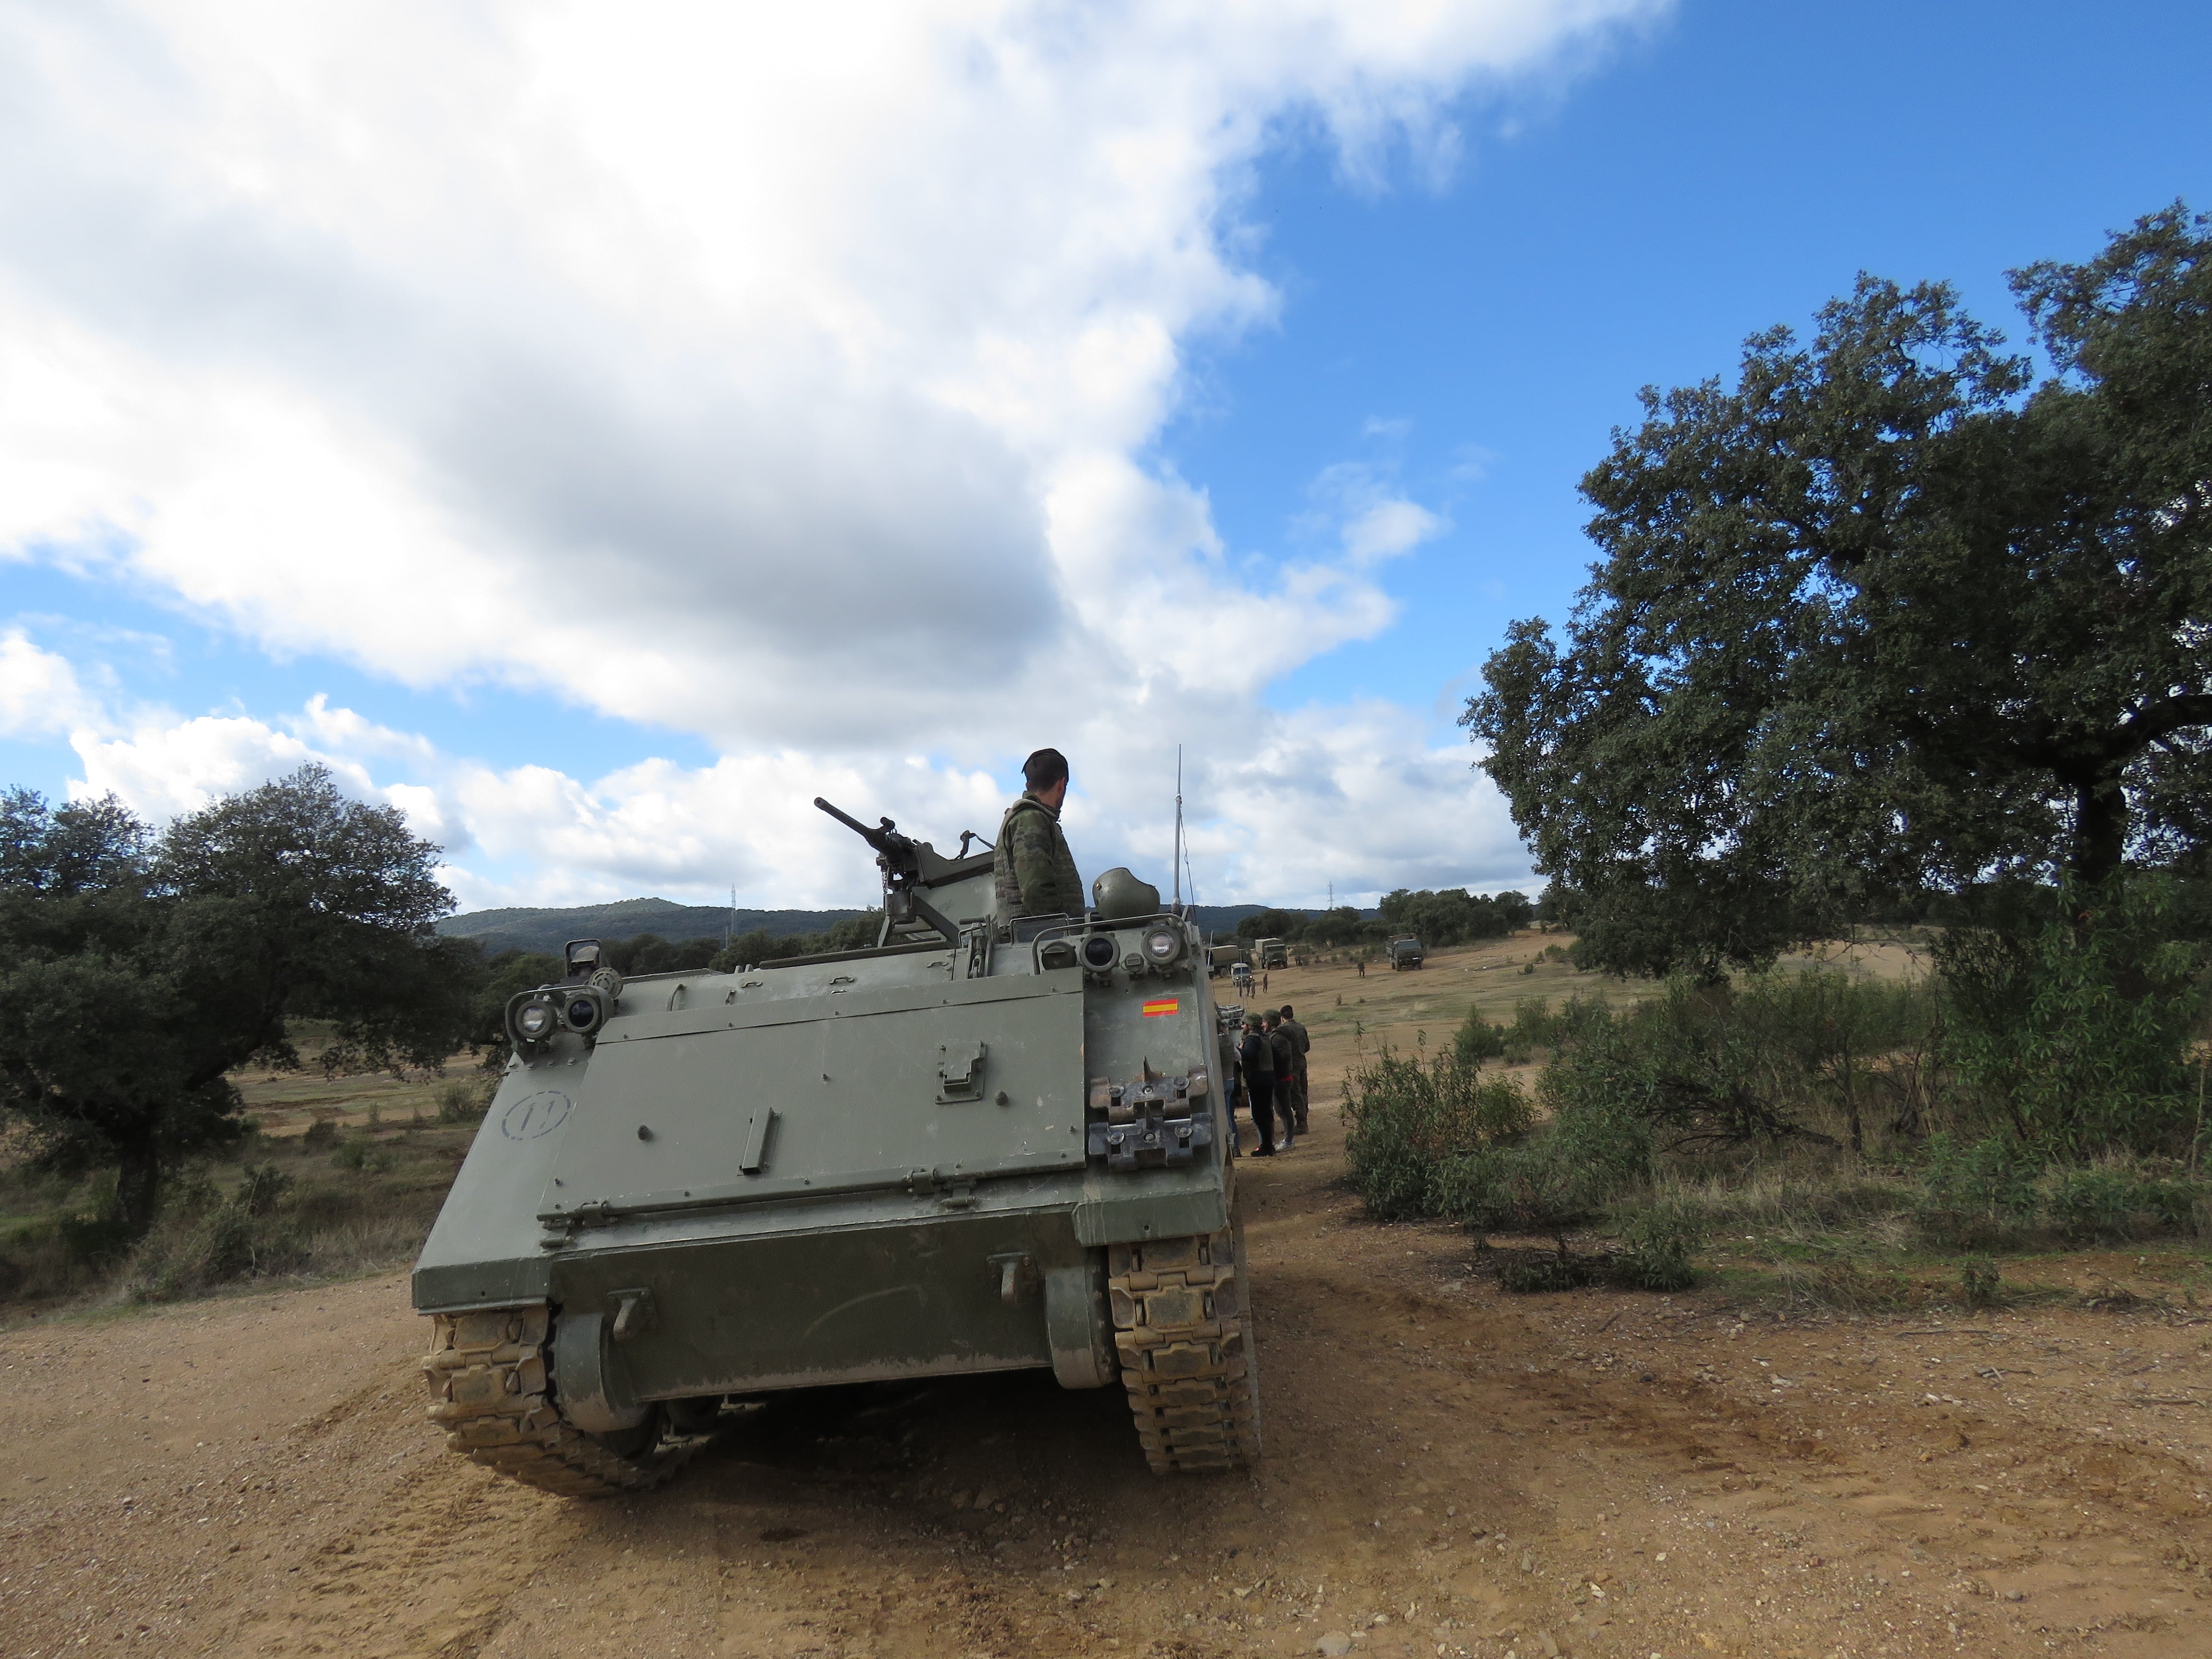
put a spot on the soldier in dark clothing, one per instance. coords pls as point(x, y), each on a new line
point(1286, 1054)
point(1033, 871)
point(1301, 1045)
point(1234, 1087)
point(1255, 1059)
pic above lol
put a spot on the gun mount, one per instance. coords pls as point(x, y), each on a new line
point(899, 857)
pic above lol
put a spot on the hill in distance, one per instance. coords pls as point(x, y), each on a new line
point(547, 931)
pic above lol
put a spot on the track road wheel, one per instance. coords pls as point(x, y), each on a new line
point(488, 1391)
point(1188, 1356)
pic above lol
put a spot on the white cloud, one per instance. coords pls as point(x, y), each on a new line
point(780, 374)
point(163, 770)
point(1360, 503)
point(1282, 807)
point(41, 695)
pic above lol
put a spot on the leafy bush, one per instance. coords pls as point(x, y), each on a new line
point(461, 1102)
point(1979, 1281)
point(1548, 1273)
point(1407, 1121)
point(1661, 1242)
point(2115, 1200)
point(2078, 1032)
point(323, 1133)
point(200, 1244)
point(260, 1188)
point(1978, 1192)
point(358, 1153)
point(1478, 1040)
point(1570, 1169)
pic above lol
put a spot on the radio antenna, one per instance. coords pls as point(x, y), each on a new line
point(1178, 838)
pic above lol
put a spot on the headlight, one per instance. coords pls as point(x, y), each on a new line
point(1097, 952)
point(1162, 945)
point(535, 1021)
point(583, 1013)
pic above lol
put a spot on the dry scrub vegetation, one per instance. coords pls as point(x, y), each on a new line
point(1940, 1130)
point(336, 1176)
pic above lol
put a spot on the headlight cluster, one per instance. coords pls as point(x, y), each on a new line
point(534, 1018)
point(1162, 946)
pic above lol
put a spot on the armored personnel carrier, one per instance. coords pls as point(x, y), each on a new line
point(982, 1145)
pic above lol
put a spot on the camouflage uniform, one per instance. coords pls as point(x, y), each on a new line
point(1034, 870)
point(1300, 1046)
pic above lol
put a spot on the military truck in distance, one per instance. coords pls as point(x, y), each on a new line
point(1220, 958)
point(1406, 952)
point(982, 1145)
point(1270, 953)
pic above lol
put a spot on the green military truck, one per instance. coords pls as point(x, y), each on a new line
point(1407, 952)
point(982, 1145)
point(1270, 953)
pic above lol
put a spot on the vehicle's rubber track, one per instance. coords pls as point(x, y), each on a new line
point(488, 1391)
point(1188, 1356)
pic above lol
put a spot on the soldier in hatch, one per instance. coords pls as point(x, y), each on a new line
point(1035, 871)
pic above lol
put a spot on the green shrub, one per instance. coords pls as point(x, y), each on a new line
point(1548, 1273)
point(1661, 1242)
point(2116, 1202)
point(260, 1188)
point(193, 1250)
point(1978, 1192)
point(460, 1102)
point(1979, 1281)
point(94, 1240)
point(1570, 1170)
point(321, 1135)
point(1478, 1040)
point(358, 1153)
point(2079, 1033)
point(1408, 1120)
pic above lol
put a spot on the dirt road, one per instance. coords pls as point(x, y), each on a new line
point(1449, 1471)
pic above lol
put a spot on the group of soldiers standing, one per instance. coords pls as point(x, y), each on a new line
point(1271, 1072)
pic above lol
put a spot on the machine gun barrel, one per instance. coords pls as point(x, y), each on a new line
point(885, 840)
point(900, 862)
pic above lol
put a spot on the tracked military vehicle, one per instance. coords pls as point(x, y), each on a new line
point(982, 1145)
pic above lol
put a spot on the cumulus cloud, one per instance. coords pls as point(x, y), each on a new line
point(779, 374)
point(1285, 807)
point(41, 695)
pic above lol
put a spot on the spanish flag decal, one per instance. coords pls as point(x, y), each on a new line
point(1160, 1006)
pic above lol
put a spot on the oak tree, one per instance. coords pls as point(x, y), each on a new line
point(1884, 615)
point(140, 971)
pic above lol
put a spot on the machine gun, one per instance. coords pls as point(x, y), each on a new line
point(900, 860)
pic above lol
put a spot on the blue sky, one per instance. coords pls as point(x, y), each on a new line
point(1733, 168)
point(605, 577)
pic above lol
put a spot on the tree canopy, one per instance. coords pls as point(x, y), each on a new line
point(141, 970)
point(1887, 615)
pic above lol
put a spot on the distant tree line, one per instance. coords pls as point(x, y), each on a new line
point(1451, 916)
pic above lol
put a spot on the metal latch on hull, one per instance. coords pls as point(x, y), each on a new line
point(1150, 1143)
